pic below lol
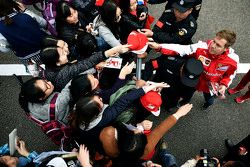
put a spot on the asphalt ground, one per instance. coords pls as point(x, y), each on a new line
point(199, 129)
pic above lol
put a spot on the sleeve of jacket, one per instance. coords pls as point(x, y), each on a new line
point(108, 36)
point(72, 70)
point(105, 94)
point(41, 21)
point(111, 112)
point(228, 76)
point(185, 33)
point(134, 25)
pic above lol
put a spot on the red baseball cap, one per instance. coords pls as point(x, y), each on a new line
point(138, 42)
point(152, 102)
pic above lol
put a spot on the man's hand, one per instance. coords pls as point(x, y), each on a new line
point(221, 90)
point(146, 124)
point(146, 32)
point(183, 110)
point(22, 149)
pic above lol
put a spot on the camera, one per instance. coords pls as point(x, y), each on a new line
point(206, 161)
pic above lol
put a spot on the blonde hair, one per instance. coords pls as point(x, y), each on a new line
point(228, 35)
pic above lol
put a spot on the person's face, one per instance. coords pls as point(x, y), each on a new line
point(133, 5)
point(181, 16)
point(93, 81)
point(98, 99)
point(217, 46)
point(118, 14)
point(62, 44)
point(73, 18)
point(63, 55)
point(46, 86)
point(10, 161)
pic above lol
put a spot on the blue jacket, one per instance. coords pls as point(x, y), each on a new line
point(24, 34)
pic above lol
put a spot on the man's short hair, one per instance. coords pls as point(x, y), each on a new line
point(228, 35)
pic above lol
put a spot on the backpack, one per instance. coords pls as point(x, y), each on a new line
point(57, 131)
point(48, 10)
point(127, 115)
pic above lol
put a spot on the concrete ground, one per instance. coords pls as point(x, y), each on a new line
point(199, 129)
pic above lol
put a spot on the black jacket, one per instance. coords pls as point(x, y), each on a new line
point(131, 22)
point(167, 30)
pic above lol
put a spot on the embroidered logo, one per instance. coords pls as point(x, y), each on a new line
point(205, 61)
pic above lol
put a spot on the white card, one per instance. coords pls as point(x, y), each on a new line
point(13, 141)
point(114, 63)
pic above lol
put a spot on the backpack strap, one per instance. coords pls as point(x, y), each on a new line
point(52, 107)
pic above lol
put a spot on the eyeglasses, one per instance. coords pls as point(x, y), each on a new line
point(48, 86)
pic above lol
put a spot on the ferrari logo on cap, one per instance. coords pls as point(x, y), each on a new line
point(181, 2)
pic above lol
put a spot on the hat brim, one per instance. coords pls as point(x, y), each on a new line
point(189, 82)
point(179, 8)
point(141, 51)
point(156, 113)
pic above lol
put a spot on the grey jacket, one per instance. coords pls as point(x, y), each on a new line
point(41, 110)
point(105, 32)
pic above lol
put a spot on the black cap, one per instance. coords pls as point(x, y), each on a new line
point(191, 72)
point(183, 5)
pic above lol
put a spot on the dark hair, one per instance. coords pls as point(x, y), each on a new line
point(234, 164)
point(131, 145)
point(108, 15)
point(50, 56)
point(62, 12)
point(86, 44)
point(86, 109)
point(80, 86)
point(49, 41)
point(30, 93)
point(7, 7)
point(124, 5)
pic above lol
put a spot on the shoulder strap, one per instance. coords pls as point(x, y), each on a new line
point(52, 107)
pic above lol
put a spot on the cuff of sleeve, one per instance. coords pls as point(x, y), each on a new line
point(176, 116)
point(140, 127)
point(32, 156)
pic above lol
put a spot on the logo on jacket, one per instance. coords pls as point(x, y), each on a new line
point(220, 67)
point(182, 31)
point(205, 61)
point(181, 2)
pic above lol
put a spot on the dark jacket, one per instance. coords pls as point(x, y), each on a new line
point(24, 35)
point(196, 8)
point(130, 22)
point(69, 32)
point(86, 7)
point(60, 76)
point(167, 30)
point(91, 137)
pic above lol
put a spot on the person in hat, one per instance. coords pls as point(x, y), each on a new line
point(181, 74)
point(195, 12)
point(175, 25)
point(219, 61)
point(132, 146)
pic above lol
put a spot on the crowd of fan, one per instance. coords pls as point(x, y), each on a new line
point(81, 103)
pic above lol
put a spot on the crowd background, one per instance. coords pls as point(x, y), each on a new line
point(200, 129)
